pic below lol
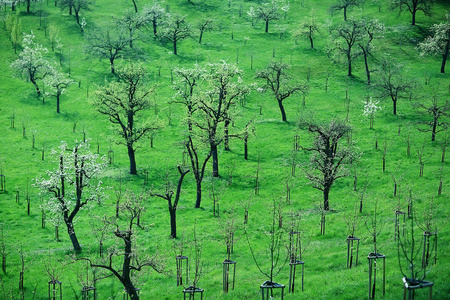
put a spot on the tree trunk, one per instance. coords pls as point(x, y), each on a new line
point(175, 47)
point(413, 22)
point(394, 102)
point(111, 62)
point(246, 148)
point(311, 41)
point(433, 130)
point(349, 58)
point(57, 102)
point(28, 6)
point(73, 237)
point(200, 38)
point(173, 222)
point(131, 156)
point(38, 91)
point(444, 56)
point(326, 205)
point(367, 67)
point(215, 160)
point(154, 27)
point(267, 26)
point(199, 193)
point(283, 112)
point(226, 137)
point(345, 13)
point(135, 6)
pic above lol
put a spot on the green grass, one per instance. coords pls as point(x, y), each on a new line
point(326, 276)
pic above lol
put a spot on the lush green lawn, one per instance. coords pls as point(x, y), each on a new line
point(235, 40)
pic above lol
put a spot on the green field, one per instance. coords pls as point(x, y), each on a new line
point(234, 40)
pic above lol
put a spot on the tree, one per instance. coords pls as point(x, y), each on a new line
point(203, 26)
point(130, 258)
point(438, 42)
point(76, 6)
point(71, 186)
point(185, 86)
point(307, 29)
point(328, 162)
point(224, 86)
point(13, 26)
point(351, 33)
point(344, 5)
point(58, 83)
point(280, 82)
point(31, 65)
point(111, 42)
point(413, 6)
point(198, 168)
point(154, 14)
point(167, 195)
point(393, 85)
point(268, 11)
point(437, 111)
point(175, 29)
point(132, 22)
point(372, 29)
point(275, 253)
point(122, 101)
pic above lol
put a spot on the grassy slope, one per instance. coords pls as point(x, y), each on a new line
point(326, 275)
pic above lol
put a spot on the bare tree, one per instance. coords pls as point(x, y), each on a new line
point(345, 5)
point(351, 34)
point(436, 113)
point(198, 168)
point(276, 255)
point(122, 101)
point(393, 85)
point(173, 205)
point(280, 83)
point(203, 26)
point(175, 29)
point(268, 11)
point(307, 29)
point(122, 263)
point(372, 29)
point(223, 87)
point(110, 42)
point(70, 186)
point(413, 6)
point(328, 161)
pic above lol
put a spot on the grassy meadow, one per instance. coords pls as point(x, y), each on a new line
point(234, 40)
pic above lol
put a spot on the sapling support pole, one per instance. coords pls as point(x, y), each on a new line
point(2, 183)
point(410, 285)
point(86, 293)
point(270, 286)
point(399, 213)
point(226, 274)
point(180, 259)
point(322, 223)
point(372, 258)
point(426, 248)
point(296, 142)
point(191, 291)
point(54, 288)
point(350, 247)
point(292, 269)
